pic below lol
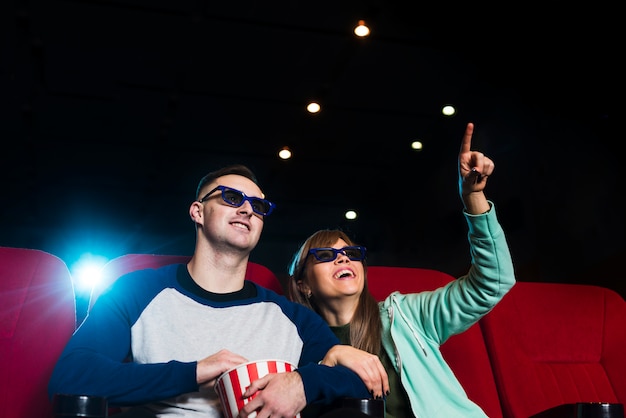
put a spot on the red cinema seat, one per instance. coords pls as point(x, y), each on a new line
point(556, 344)
point(37, 318)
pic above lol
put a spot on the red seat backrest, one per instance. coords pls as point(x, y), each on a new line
point(37, 318)
point(465, 353)
point(553, 344)
point(119, 266)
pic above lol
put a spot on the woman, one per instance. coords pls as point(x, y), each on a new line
point(329, 275)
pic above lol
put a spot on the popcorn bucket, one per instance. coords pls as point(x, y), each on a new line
point(231, 385)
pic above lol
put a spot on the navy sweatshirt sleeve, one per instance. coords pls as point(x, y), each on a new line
point(94, 360)
point(322, 384)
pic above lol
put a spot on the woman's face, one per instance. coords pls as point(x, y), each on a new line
point(340, 278)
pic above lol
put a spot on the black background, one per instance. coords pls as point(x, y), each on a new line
point(113, 110)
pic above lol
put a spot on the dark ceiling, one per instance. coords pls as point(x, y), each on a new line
point(113, 110)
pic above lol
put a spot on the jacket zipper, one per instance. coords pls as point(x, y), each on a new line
point(408, 323)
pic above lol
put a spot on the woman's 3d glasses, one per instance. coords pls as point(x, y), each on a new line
point(236, 198)
point(354, 253)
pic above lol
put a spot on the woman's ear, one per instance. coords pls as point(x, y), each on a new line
point(303, 287)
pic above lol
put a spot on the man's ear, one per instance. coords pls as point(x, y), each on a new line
point(195, 212)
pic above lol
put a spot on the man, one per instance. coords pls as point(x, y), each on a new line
point(182, 326)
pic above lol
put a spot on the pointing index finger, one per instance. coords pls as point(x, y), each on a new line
point(467, 138)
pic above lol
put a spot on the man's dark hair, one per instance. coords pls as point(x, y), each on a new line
point(238, 169)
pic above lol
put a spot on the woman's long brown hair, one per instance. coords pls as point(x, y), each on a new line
point(365, 326)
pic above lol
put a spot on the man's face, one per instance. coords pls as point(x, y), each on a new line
point(226, 226)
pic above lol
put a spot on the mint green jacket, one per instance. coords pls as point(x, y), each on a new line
point(415, 325)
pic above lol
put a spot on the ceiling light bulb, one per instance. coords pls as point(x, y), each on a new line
point(284, 153)
point(361, 29)
point(448, 110)
point(313, 107)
